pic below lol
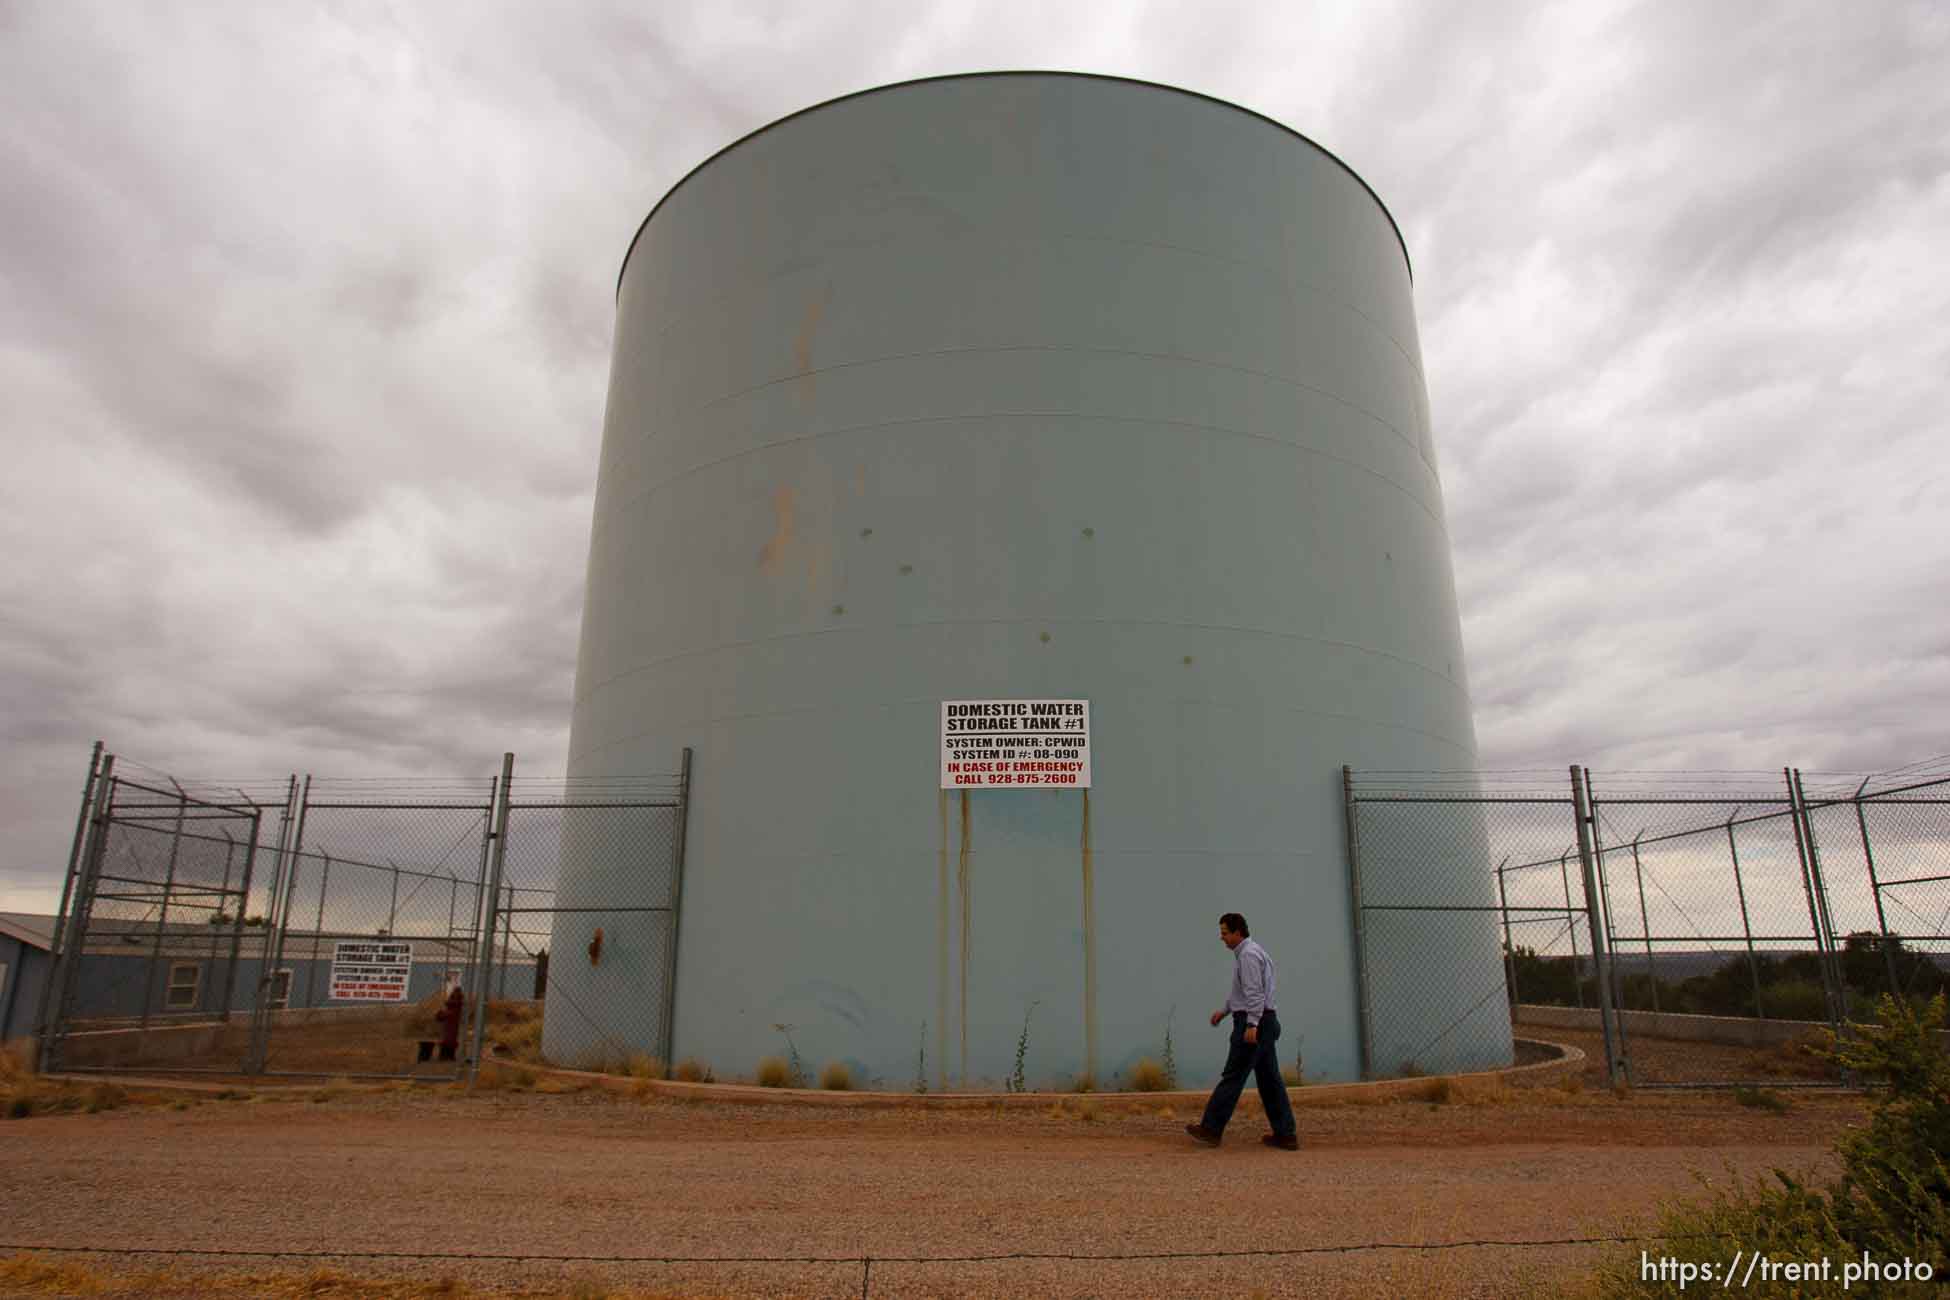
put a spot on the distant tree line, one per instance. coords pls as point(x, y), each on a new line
point(1790, 983)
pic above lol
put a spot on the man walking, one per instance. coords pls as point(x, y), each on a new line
point(1255, 1028)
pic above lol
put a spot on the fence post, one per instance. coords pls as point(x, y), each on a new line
point(1571, 924)
point(676, 911)
point(1875, 890)
point(1746, 922)
point(474, 955)
point(162, 912)
point(243, 903)
point(1364, 1009)
point(75, 938)
point(499, 834)
point(1509, 946)
point(291, 836)
point(1604, 897)
point(1645, 923)
point(81, 822)
point(1616, 1066)
point(1804, 847)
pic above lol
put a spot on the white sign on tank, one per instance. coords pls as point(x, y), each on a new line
point(1015, 743)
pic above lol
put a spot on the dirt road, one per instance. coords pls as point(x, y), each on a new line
point(601, 1174)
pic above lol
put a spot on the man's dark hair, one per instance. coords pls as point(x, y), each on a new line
point(1235, 923)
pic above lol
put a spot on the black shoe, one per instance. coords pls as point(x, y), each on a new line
point(1284, 1141)
point(1202, 1135)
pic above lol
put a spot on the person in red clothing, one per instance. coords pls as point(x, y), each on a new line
point(450, 1017)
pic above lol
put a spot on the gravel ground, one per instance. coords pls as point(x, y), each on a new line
point(597, 1173)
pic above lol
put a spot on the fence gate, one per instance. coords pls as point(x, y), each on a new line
point(1691, 931)
point(158, 949)
point(582, 917)
point(322, 928)
point(1456, 883)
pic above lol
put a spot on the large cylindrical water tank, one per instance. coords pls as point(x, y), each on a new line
point(1012, 386)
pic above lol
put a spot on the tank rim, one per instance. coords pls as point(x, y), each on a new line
point(1329, 154)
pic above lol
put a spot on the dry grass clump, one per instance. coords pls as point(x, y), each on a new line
point(494, 1077)
point(24, 1095)
point(773, 1072)
point(517, 1028)
point(642, 1065)
point(691, 1070)
point(1147, 1076)
point(38, 1275)
point(836, 1077)
point(1761, 1099)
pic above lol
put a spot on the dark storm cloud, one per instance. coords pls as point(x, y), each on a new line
point(305, 317)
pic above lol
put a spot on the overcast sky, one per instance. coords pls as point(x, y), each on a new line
point(305, 315)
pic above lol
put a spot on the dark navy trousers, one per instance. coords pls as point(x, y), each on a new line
point(1262, 1061)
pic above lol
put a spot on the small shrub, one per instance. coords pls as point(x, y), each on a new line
point(642, 1065)
point(103, 1096)
point(1015, 1081)
point(1440, 1092)
point(794, 1065)
point(499, 1078)
point(1168, 1062)
point(16, 1060)
point(921, 1063)
point(691, 1070)
point(1148, 1076)
point(836, 1077)
point(332, 1090)
point(773, 1072)
point(1891, 1200)
point(1761, 1099)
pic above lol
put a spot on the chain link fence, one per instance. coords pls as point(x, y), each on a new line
point(1683, 929)
point(355, 928)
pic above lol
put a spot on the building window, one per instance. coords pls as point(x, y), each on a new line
point(280, 989)
point(185, 979)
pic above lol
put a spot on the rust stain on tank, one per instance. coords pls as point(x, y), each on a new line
point(1089, 947)
point(772, 554)
point(941, 946)
point(962, 881)
point(802, 345)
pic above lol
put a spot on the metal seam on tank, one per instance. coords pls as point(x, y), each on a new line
point(578, 755)
point(622, 504)
point(669, 321)
point(1026, 73)
point(582, 696)
point(687, 417)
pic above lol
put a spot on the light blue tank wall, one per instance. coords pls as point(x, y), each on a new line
point(1012, 386)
